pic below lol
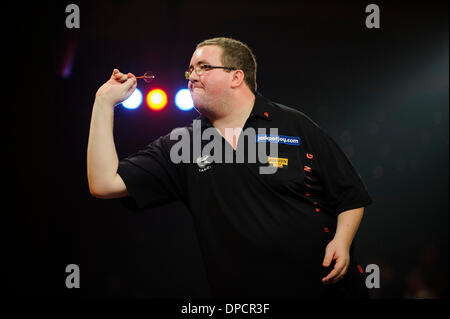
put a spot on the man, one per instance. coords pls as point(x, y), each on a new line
point(286, 234)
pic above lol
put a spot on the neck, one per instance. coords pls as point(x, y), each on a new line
point(237, 113)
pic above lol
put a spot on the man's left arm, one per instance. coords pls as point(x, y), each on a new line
point(339, 248)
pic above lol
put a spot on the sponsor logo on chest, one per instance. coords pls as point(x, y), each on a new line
point(279, 139)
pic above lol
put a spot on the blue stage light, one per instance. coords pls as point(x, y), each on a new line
point(133, 101)
point(183, 100)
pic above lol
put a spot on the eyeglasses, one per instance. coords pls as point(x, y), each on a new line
point(205, 67)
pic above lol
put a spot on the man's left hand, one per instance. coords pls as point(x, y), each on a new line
point(338, 251)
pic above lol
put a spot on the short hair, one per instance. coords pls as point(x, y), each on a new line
point(236, 54)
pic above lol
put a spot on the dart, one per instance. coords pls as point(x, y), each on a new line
point(147, 77)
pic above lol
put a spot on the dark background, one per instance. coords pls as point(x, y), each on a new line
point(382, 94)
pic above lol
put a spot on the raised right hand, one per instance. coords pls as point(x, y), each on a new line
point(117, 89)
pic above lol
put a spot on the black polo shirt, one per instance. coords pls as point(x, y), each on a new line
point(261, 235)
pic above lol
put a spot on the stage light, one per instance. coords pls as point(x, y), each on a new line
point(133, 101)
point(156, 99)
point(183, 100)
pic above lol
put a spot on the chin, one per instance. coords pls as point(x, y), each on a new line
point(204, 109)
point(199, 103)
point(204, 105)
point(201, 108)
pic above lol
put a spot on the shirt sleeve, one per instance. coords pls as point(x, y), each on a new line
point(150, 177)
point(344, 188)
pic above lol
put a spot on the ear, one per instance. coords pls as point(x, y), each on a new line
point(237, 79)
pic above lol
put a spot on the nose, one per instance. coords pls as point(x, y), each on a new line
point(193, 78)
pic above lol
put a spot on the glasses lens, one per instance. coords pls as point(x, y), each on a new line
point(187, 74)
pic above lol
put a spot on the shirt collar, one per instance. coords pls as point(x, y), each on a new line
point(261, 109)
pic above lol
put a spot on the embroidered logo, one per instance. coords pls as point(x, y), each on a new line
point(204, 163)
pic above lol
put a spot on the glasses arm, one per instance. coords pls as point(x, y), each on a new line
point(219, 67)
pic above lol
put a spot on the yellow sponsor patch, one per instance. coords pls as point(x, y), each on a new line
point(278, 161)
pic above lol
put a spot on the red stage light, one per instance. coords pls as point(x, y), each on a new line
point(156, 99)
